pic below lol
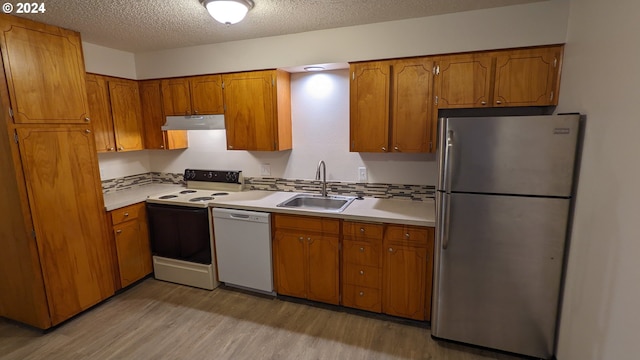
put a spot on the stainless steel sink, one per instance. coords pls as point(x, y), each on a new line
point(334, 203)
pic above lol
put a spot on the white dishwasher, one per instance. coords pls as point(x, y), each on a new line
point(243, 249)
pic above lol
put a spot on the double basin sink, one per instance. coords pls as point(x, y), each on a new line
point(332, 203)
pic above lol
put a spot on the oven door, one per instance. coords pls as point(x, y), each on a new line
point(179, 232)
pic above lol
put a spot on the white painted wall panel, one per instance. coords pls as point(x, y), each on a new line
point(600, 317)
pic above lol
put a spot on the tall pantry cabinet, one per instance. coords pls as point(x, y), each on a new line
point(56, 259)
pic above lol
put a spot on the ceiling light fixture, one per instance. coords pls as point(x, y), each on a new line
point(228, 11)
point(313, 68)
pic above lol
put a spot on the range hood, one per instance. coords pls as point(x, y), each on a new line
point(194, 122)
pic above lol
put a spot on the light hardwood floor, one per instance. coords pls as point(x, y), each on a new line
point(160, 320)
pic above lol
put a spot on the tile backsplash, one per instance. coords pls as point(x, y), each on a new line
point(383, 191)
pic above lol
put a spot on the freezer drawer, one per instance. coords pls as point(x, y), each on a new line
point(498, 279)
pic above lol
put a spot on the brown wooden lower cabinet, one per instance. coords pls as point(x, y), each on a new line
point(306, 257)
point(131, 236)
point(384, 268)
point(387, 268)
point(362, 266)
point(408, 268)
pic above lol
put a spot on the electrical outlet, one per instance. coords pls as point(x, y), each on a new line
point(362, 174)
point(265, 170)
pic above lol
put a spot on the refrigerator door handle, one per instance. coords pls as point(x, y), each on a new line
point(444, 220)
point(448, 161)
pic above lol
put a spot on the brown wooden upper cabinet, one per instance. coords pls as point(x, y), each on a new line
point(196, 95)
point(153, 118)
point(116, 113)
point(519, 77)
point(258, 110)
point(30, 50)
point(390, 106)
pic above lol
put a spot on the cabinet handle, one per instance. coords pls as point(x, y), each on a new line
point(361, 249)
point(309, 240)
point(111, 149)
point(87, 119)
point(87, 131)
point(498, 102)
point(120, 148)
point(384, 148)
point(230, 146)
point(361, 293)
point(126, 214)
point(362, 230)
point(118, 231)
point(407, 235)
point(396, 148)
point(390, 249)
point(195, 112)
point(361, 272)
point(300, 238)
point(483, 103)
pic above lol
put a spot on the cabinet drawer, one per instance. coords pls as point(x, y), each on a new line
point(409, 234)
point(127, 213)
point(362, 253)
point(362, 275)
point(307, 223)
point(361, 297)
point(362, 231)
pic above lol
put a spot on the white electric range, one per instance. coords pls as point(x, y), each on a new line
point(180, 228)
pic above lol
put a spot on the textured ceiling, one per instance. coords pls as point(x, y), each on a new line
point(145, 25)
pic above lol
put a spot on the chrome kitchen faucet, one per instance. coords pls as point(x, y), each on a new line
point(324, 176)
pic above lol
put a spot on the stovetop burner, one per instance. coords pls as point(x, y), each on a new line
point(187, 191)
point(168, 197)
point(220, 194)
point(201, 198)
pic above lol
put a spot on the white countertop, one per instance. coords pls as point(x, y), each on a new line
point(118, 199)
point(397, 211)
point(408, 212)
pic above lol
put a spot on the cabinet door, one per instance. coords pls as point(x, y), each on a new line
point(134, 253)
point(369, 107)
point(527, 77)
point(323, 269)
point(100, 113)
point(250, 111)
point(289, 265)
point(411, 106)
point(45, 72)
point(464, 81)
point(405, 269)
point(176, 97)
point(206, 94)
point(127, 114)
point(63, 185)
point(153, 119)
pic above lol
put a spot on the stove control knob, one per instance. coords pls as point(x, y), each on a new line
point(232, 177)
point(191, 174)
point(210, 175)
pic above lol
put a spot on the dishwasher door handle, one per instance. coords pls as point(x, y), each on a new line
point(238, 216)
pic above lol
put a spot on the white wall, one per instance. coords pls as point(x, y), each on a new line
point(320, 125)
point(116, 165)
point(601, 315)
point(513, 26)
point(106, 61)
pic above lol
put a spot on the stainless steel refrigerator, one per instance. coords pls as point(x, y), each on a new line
point(503, 203)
